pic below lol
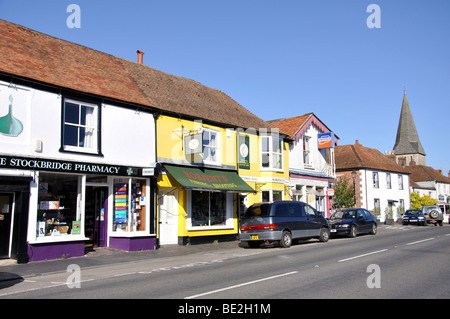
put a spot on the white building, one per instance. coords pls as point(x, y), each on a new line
point(380, 184)
point(311, 159)
point(77, 150)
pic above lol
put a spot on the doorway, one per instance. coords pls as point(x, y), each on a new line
point(168, 216)
point(96, 215)
point(6, 218)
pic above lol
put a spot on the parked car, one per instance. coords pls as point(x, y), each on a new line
point(282, 222)
point(433, 214)
point(352, 221)
point(414, 217)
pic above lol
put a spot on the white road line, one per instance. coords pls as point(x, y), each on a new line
point(419, 241)
point(240, 285)
point(364, 255)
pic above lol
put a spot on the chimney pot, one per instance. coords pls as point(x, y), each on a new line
point(140, 56)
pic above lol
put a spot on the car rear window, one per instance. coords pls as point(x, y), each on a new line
point(258, 210)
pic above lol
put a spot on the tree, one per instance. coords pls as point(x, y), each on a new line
point(418, 201)
point(343, 193)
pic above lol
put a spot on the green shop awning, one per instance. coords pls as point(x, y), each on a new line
point(208, 179)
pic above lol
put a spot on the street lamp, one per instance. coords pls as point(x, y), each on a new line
point(354, 187)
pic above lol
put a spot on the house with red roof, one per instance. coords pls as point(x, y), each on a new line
point(311, 159)
point(381, 185)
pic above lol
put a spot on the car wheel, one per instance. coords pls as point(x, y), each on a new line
point(286, 239)
point(374, 229)
point(324, 235)
point(352, 232)
point(434, 214)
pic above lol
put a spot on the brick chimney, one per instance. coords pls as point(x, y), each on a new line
point(140, 56)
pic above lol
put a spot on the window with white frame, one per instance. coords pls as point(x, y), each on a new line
point(271, 152)
point(388, 180)
point(306, 150)
point(376, 183)
point(271, 195)
point(211, 147)
point(400, 182)
point(80, 126)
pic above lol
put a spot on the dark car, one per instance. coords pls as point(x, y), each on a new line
point(415, 217)
point(352, 221)
point(282, 221)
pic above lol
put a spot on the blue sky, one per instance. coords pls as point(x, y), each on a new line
point(284, 58)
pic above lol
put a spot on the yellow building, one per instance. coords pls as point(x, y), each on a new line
point(211, 172)
point(215, 155)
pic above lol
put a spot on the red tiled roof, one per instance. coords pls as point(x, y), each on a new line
point(356, 156)
point(422, 173)
point(29, 54)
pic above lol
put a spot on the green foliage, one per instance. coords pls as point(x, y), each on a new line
point(343, 192)
point(419, 201)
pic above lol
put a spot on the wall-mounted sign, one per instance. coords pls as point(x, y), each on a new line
point(51, 165)
point(325, 140)
point(243, 152)
point(193, 144)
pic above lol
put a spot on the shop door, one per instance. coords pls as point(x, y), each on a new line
point(168, 216)
point(6, 210)
point(96, 215)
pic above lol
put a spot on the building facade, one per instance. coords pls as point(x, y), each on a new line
point(311, 160)
point(381, 186)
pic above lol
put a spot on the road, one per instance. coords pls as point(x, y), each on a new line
point(398, 262)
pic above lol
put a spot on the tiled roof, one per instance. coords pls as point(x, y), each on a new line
point(422, 173)
point(29, 54)
point(291, 125)
point(356, 156)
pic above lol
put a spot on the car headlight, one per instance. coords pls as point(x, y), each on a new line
point(344, 226)
point(420, 218)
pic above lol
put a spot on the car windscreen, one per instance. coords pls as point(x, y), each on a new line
point(412, 212)
point(344, 214)
point(258, 210)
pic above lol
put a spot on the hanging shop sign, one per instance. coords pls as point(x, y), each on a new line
point(244, 152)
point(51, 165)
point(325, 140)
point(193, 144)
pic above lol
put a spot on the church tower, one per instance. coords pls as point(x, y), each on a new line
point(408, 149)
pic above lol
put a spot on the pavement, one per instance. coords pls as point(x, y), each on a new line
point(11, 271)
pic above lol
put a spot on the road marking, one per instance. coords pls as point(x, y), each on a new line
point(364, 255)
point(419, 241)
point(240, 285)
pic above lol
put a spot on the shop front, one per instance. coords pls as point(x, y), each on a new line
point(77, 206)
point(207, 203)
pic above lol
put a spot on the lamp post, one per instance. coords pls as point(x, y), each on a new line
point(354, 187)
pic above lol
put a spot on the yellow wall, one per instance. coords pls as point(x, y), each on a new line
point(170, 131)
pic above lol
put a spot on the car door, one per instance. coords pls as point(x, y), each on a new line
point(362, 221)
point(313, 223)
point(299, 229)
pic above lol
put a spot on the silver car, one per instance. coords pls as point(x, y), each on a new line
point(283, 222)
point(433, 214)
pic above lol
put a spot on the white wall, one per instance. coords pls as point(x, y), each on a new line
point(369, 192)
point(128, 136)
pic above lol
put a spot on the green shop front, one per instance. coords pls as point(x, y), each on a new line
point(198, 204)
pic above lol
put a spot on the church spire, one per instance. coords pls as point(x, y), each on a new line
point(407, 141)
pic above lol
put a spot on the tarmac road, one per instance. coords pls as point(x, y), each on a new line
point(398, 262)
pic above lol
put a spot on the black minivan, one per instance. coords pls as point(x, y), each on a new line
point(282, 221)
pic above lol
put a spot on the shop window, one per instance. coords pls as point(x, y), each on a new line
point(58, 202)
point(271, 152)
point(209, 208)
point(80, 127)
point(130, 200)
